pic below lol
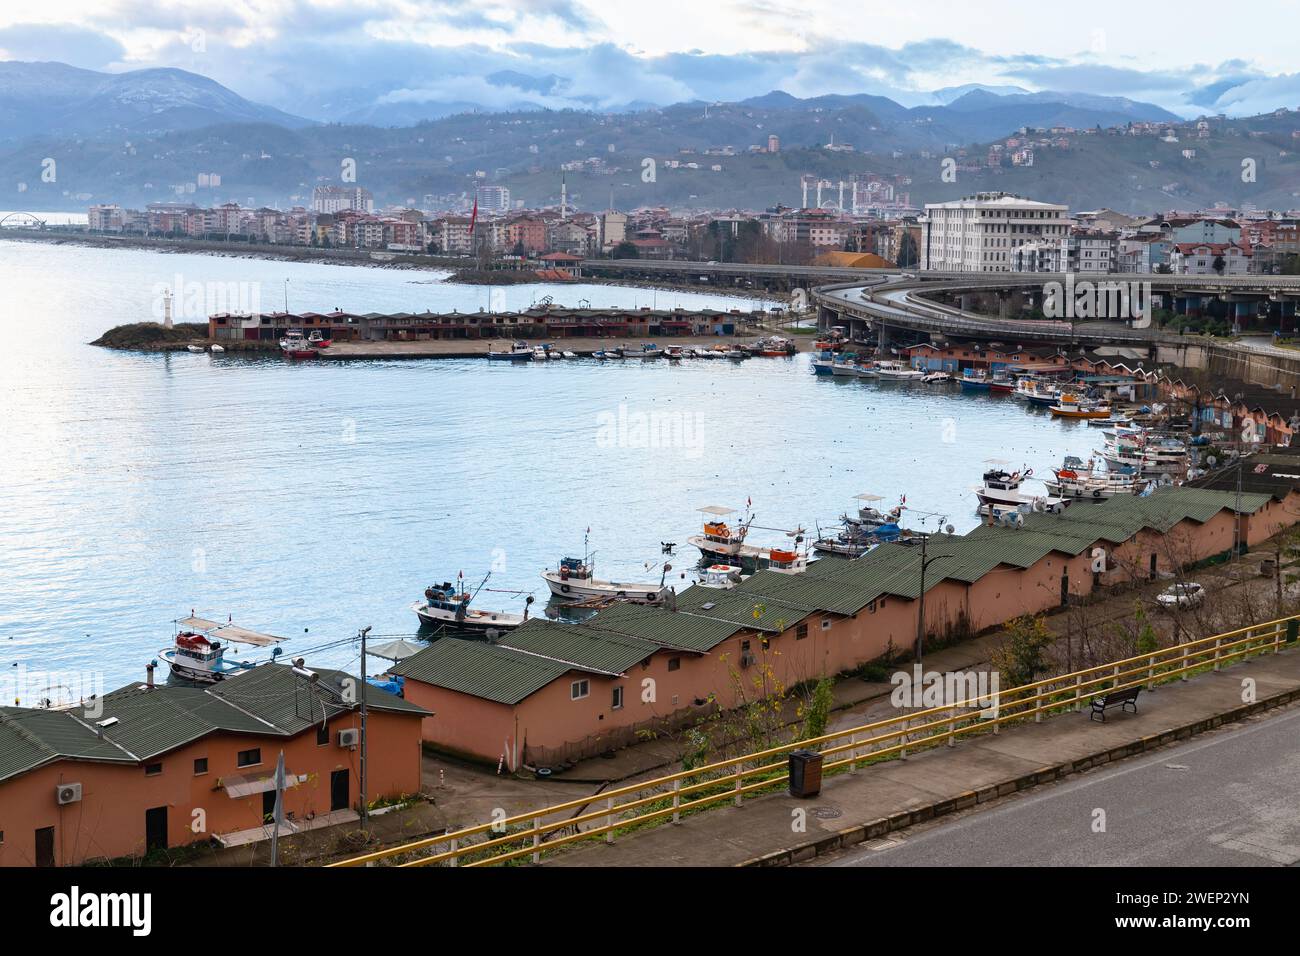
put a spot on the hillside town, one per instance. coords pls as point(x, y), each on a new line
point(841, 230)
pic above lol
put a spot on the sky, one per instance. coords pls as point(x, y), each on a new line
point(326, 58)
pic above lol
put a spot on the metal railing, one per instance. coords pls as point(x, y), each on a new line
point(535, 832)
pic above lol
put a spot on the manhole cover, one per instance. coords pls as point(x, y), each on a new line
point(827, 813)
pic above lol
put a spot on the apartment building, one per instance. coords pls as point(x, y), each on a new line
point(980, 233)
point(333, 199)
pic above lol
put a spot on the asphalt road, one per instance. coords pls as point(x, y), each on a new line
point(1229, 799)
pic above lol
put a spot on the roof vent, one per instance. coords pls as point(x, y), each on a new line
point(707, 607)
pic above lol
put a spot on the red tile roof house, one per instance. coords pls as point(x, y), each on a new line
point(163, 765)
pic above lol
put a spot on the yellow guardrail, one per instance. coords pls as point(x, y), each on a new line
point(534, 832)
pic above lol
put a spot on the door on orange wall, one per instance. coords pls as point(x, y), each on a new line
point(155, 829)
point(45, 846)
point(339, 790)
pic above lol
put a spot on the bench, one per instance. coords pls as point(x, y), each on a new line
point(1125, 699)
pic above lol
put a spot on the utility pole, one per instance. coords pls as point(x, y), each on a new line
point(277, 818)
point(920, 615)
point(365, 816)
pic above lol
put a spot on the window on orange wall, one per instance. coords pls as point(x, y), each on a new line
point(674, 663)
point(801, 632)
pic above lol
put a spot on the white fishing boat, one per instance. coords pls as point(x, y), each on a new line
point(892, 369)
point(518, 352)
point(573, 580)
point(785, 562)
point(295, 345)
point(870, 517)
point(445, 606)
point(194, 348)
point(721, 576)
point(720, 541)
point(217, 348)
point(199, 651)
point(1086, 481)
point(569, 355)
point(1003, 488)
point(936, 378)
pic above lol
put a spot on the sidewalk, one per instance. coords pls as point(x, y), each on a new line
point(897, 794)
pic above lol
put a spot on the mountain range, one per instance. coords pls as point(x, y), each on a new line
point(135, 137)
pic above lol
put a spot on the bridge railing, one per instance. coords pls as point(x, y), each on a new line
point(530, 834)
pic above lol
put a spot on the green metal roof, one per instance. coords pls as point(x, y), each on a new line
point(482, 670)
point(268, 700)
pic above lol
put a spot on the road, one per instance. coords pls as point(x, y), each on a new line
point(1228, 799)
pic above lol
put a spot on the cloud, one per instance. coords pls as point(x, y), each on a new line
point(64, 42)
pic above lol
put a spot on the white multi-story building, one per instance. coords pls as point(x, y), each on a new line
point(980, 233)
point(493, 200)
point(332, 199)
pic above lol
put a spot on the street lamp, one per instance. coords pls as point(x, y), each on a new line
point(920, 612)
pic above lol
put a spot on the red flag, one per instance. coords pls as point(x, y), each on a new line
point(473, 219)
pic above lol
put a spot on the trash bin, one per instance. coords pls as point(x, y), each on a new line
point(805, 773)
point(1292, 630)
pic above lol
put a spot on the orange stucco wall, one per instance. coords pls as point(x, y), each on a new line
point(551, 722)
point(109, 821)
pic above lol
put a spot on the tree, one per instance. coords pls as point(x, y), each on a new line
point(906, 251)
point(625, 250)
point(1218, 265)
point(816, 710)
point(1019, 658)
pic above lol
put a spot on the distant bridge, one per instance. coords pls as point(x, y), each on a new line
point(21, 220)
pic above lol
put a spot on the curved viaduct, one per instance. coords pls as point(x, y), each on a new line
point(881, 302)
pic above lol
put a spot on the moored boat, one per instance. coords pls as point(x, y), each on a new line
point(295, 345)
point(318, 340)
point(720, 541)
point(975, 380)
point(573, 581)
point(518, 352)
point(199, 651)
point(891, 369)
point(445, 606)
point(1071, 407)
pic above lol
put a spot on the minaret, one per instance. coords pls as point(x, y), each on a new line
point(841, 197)
point(804, 182)
point(564, 197)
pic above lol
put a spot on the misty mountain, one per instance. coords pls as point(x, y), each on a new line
point(54, 99)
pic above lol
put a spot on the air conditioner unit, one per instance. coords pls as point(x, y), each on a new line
point(350, 737)
point(66, 793)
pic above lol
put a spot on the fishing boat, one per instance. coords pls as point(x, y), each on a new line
point(846, 365)
point(1002, 383)
point(1036, 392)
point(1071, 407)
point(774, 347)
point(785, 562)
point(870, 517)
point(853, 541)
point(217, 348)
point(295, 345)
point(720, 541)
point(199, 651)
point(649, 350)
point(975, 380)
point(195, 348)
point(1078, 480)
point(891, 369)
point(446, 606)
point(721, 576)
point(936, 378)
point(673, 353)
point(833, 341)
point(1002, 488)
point(569, 355)
point(518, 352)
point(318, 340)
point(573, 581)
point(615, 353)
point(824, 364)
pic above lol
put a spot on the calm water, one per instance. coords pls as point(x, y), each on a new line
point(311, 499)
